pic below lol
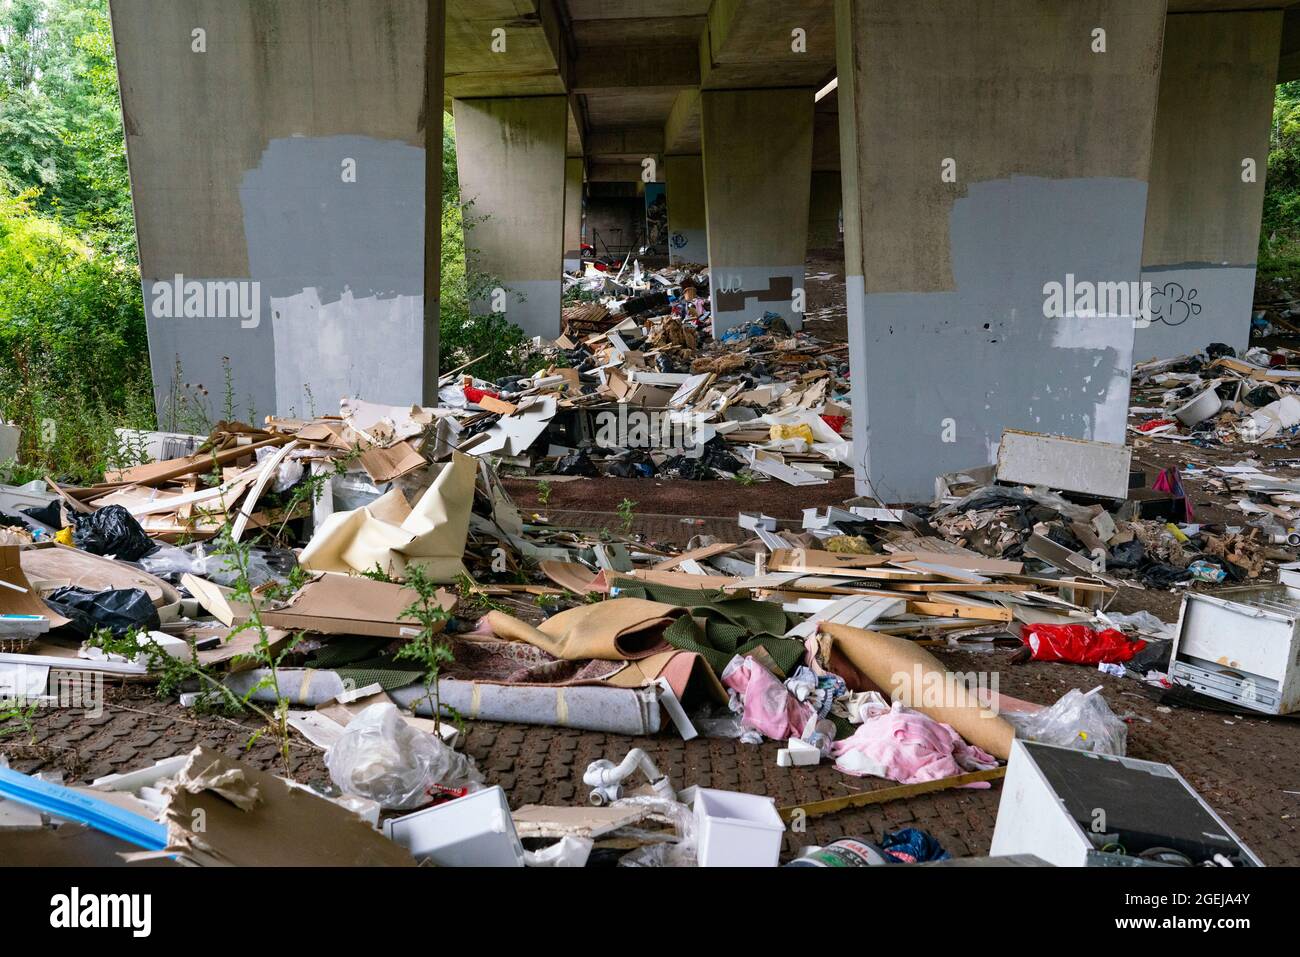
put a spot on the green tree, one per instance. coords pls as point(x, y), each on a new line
point(1279, 241)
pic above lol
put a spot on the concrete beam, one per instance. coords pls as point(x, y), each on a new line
point(767, 43)
point(576, 132)
point(961, 212)
point(1288, 67)
point(670, 66)
point(1207, 180)
point(286, 180)
point(510, 155)
point(757, 164)
point(632, 143)
point(602, 172)
point(682, 129)
point(505, 48)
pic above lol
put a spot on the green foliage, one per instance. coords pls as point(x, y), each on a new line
point(466, 334)
point(73, 352)
point(18, 716)
point(627, 514)
point(1279, 241)
point(264, 654)
point(60, 118)
point(429, 647)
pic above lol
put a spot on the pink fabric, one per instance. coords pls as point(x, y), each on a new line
point(769, 708)
point(907, 746)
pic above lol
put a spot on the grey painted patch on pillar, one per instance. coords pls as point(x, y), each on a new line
point(688, 246)
point(1194, 304)
point(739, 294)
point(938, 376)
point(572, 262)
point(186, 352)
point(341, 267)
point(531, 304)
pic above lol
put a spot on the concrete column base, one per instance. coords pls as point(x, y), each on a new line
point(960, 215)
point(1194, 305)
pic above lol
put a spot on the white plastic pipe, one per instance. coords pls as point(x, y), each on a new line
point(606, 778)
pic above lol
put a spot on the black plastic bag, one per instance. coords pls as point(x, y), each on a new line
point(1162, 575)
point(112, 531)
point(118, 609)
point(1130, 554)
point(577, 462)
point(50, 514)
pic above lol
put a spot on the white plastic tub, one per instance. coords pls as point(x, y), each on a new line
point(737, 830)
point(470, 831)
point(1199, 408)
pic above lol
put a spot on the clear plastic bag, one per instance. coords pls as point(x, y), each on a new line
point(383, 758)
point(1079, 720)
point(264, 564)
point(567, 852)
point(681, 853)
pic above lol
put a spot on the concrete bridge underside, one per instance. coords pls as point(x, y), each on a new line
point(286, 168)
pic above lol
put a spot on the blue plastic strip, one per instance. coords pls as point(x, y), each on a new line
point(62, 802)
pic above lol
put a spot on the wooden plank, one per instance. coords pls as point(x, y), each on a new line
point(882, 795)
point(946, 609)
point(960, 587)
point(852, 574)
point(696, 554)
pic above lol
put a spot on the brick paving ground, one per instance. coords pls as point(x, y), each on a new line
point(1247, 768)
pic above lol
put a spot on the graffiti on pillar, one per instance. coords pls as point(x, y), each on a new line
point(678, 241)
point(656, 215)
point(731, 298)
point(1173, 305)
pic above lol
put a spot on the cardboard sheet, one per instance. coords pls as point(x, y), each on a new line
point(391, 534)
point(342, 605)
point(881, 659)
point(616, 630)
point(254, 819)
point(21, 598)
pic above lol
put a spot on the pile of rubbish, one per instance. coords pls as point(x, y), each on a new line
point(637, 387)
point(1216, 400)
point(363, 582)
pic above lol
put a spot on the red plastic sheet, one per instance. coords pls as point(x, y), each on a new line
point(1079, 644)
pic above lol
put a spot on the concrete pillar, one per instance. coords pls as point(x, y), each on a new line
point(824, 210)
point(990, 159)
point(1207, 180)
point(687, 232)
point(510, 157)
point(573, 206)
point(287, 196)
point(757, 163)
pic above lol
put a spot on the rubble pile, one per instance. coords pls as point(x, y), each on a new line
point(638, 387)
point(364, 583)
